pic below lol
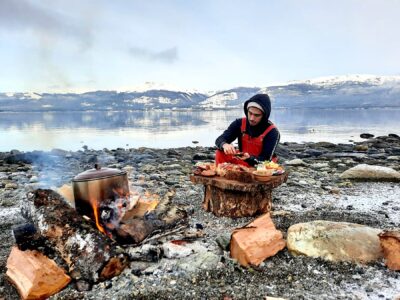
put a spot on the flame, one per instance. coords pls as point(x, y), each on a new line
point(96, 217)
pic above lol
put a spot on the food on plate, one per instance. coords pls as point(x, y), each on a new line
point(265, 172)
point(268, 165)
point(205, 169)
point(235, 172)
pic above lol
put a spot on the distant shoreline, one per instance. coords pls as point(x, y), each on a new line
point(201, 109)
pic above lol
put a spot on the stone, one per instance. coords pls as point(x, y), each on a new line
point(364, 171)
point(390, 243)
point(172, 250)
point(223, 241)
point(295, 162)
point(356, 155)
point(335, 241)
point(361, 147)
point(199, 261)
point(11, 186)
point(366, 135)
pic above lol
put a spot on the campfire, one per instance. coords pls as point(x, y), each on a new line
point(91, 239)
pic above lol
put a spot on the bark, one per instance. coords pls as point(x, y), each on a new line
point(226, 197)
point(89, 254)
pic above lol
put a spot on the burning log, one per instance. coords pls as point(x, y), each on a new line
point(135, 228)
point(34, 275)
point(89, 254)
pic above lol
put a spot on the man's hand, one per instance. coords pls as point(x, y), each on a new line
point(229, 149)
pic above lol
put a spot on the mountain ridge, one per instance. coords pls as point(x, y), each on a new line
point(345, 91)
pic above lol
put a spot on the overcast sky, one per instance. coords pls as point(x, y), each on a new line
point(75, 45)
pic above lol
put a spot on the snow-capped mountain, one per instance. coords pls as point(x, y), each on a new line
point(350, 91)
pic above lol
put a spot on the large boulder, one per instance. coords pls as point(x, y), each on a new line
point(335, 241)
point(369, 172)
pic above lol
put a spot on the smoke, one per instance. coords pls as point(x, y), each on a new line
point(166, 56)
point(50, 28)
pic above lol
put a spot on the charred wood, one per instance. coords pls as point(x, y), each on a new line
point(89, 254)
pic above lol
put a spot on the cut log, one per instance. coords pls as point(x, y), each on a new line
point(231, 198)
point(89, 254)
point(390, 243)
point(34, 275)
point(252, 244)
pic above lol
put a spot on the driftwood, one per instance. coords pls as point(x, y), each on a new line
point(34, 275)
point(232, 198)
point(89, 254)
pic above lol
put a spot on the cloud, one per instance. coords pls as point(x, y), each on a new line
point(24, 14)
point(166, 56)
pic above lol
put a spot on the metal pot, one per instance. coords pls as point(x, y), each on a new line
point(98, 187)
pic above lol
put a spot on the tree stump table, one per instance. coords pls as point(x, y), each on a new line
point(232, 198)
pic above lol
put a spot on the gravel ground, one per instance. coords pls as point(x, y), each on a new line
point(311, 193)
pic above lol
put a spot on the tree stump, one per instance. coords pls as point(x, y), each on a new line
point(232, 198)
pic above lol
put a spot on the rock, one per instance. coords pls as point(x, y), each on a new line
point(393, 157)
point(172, 250)
point(33, 179)
point(361, 147)
point(320, 165)
point(324, 145)
point(173, 167)
point(199, 261)
point(11, 186)
point(200, 156)
point(366, 135)
point(390, 242)
point(364, 171)
point(335, 241)
point(344, 154)
point(223, 241)
point(295, 162)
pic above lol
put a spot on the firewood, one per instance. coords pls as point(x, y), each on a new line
point(164, 216)
point(252, 244)
point(390, 243)
point(34, 275)
point(86, 251)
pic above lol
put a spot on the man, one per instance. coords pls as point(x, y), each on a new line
point(257, 136)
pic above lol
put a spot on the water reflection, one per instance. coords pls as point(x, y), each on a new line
point(164, 129)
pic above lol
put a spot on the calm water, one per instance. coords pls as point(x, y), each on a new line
point(165, 129)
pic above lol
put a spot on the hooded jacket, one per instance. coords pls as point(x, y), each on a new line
point(233, 132)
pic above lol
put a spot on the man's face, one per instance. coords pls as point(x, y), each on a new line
point(254, 115)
